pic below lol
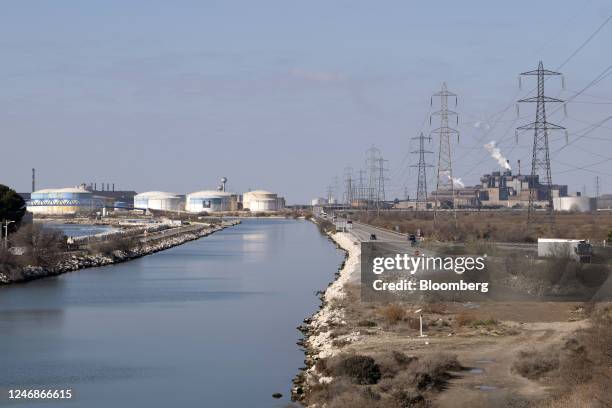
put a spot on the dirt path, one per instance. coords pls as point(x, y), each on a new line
point(490, 381)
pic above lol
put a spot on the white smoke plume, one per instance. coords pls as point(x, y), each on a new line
point(482, 125)
point(457, 183)
point(495, 153)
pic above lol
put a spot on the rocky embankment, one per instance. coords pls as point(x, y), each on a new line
point(317, 341)
point(81, 261)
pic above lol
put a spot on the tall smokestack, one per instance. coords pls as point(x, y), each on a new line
point(519, 166)
point(113, 186)
point(33, 179)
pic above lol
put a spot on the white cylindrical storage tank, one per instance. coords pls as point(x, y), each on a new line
point(158, 200)
point(210, 201)
point(260, 201)
point(63, 201)
point(575, 204)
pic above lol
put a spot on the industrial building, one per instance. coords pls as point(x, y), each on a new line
point(510, 190)
point(504, 190)
point(499, 189)
point(604, 202)
point(262, 201)
point(115, 198)
point(211, 201)
point(159, 200)
point(64, 201)
point(577, 203)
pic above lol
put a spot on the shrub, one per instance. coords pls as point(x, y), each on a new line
point(464, 319)
point(533, 364)
point(361, 369)
point(485, 322)
point(393, 313)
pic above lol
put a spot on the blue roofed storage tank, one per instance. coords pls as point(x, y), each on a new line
point(63, 201)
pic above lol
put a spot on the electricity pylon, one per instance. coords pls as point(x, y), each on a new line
point(422, 170)
point(445, 163)
point(348, 180)
point(540, 161)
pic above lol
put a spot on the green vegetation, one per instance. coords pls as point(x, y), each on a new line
point(12, 206)
point(38, 247)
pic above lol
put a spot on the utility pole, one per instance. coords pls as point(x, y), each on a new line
point(540, 161)
point(445, 163)
point(422, 170)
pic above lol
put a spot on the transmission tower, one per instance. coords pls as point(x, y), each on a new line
point(597, 187)
point(330, 194)
point(540, 161)
point(361, 188)
point(372, 167)
point(380, 194)
point(348, 182)
point(422, 169)
point(445, 164)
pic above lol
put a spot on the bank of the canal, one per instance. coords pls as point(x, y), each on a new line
point(134, 246)
point(211, 322)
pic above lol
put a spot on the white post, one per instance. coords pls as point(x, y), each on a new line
point(421, 324)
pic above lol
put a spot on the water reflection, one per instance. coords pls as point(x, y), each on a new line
point(209, 323)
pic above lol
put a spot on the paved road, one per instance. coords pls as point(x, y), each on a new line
point(363, 232)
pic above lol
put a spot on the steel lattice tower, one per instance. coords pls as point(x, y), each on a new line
point(445, 163)
point(348, 180)
point(540, 162)
point(372, 167)
point(422, 169)
point(381, 197)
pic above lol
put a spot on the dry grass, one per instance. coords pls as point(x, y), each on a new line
point(393, 313)
point(395, 380)
point(534, 364)
point(464, 319)
point(581, 367)
point(493, 226)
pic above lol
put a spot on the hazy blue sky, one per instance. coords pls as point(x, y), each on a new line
point(282, 95)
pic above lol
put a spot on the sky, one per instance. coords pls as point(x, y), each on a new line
point(283, 95)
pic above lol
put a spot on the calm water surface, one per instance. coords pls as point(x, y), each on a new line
point(211, 323)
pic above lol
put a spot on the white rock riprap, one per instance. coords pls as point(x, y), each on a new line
point(319, 343)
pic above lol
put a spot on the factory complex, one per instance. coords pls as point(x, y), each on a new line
point(497, 190)
point(86, 199)
point(503, 189)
